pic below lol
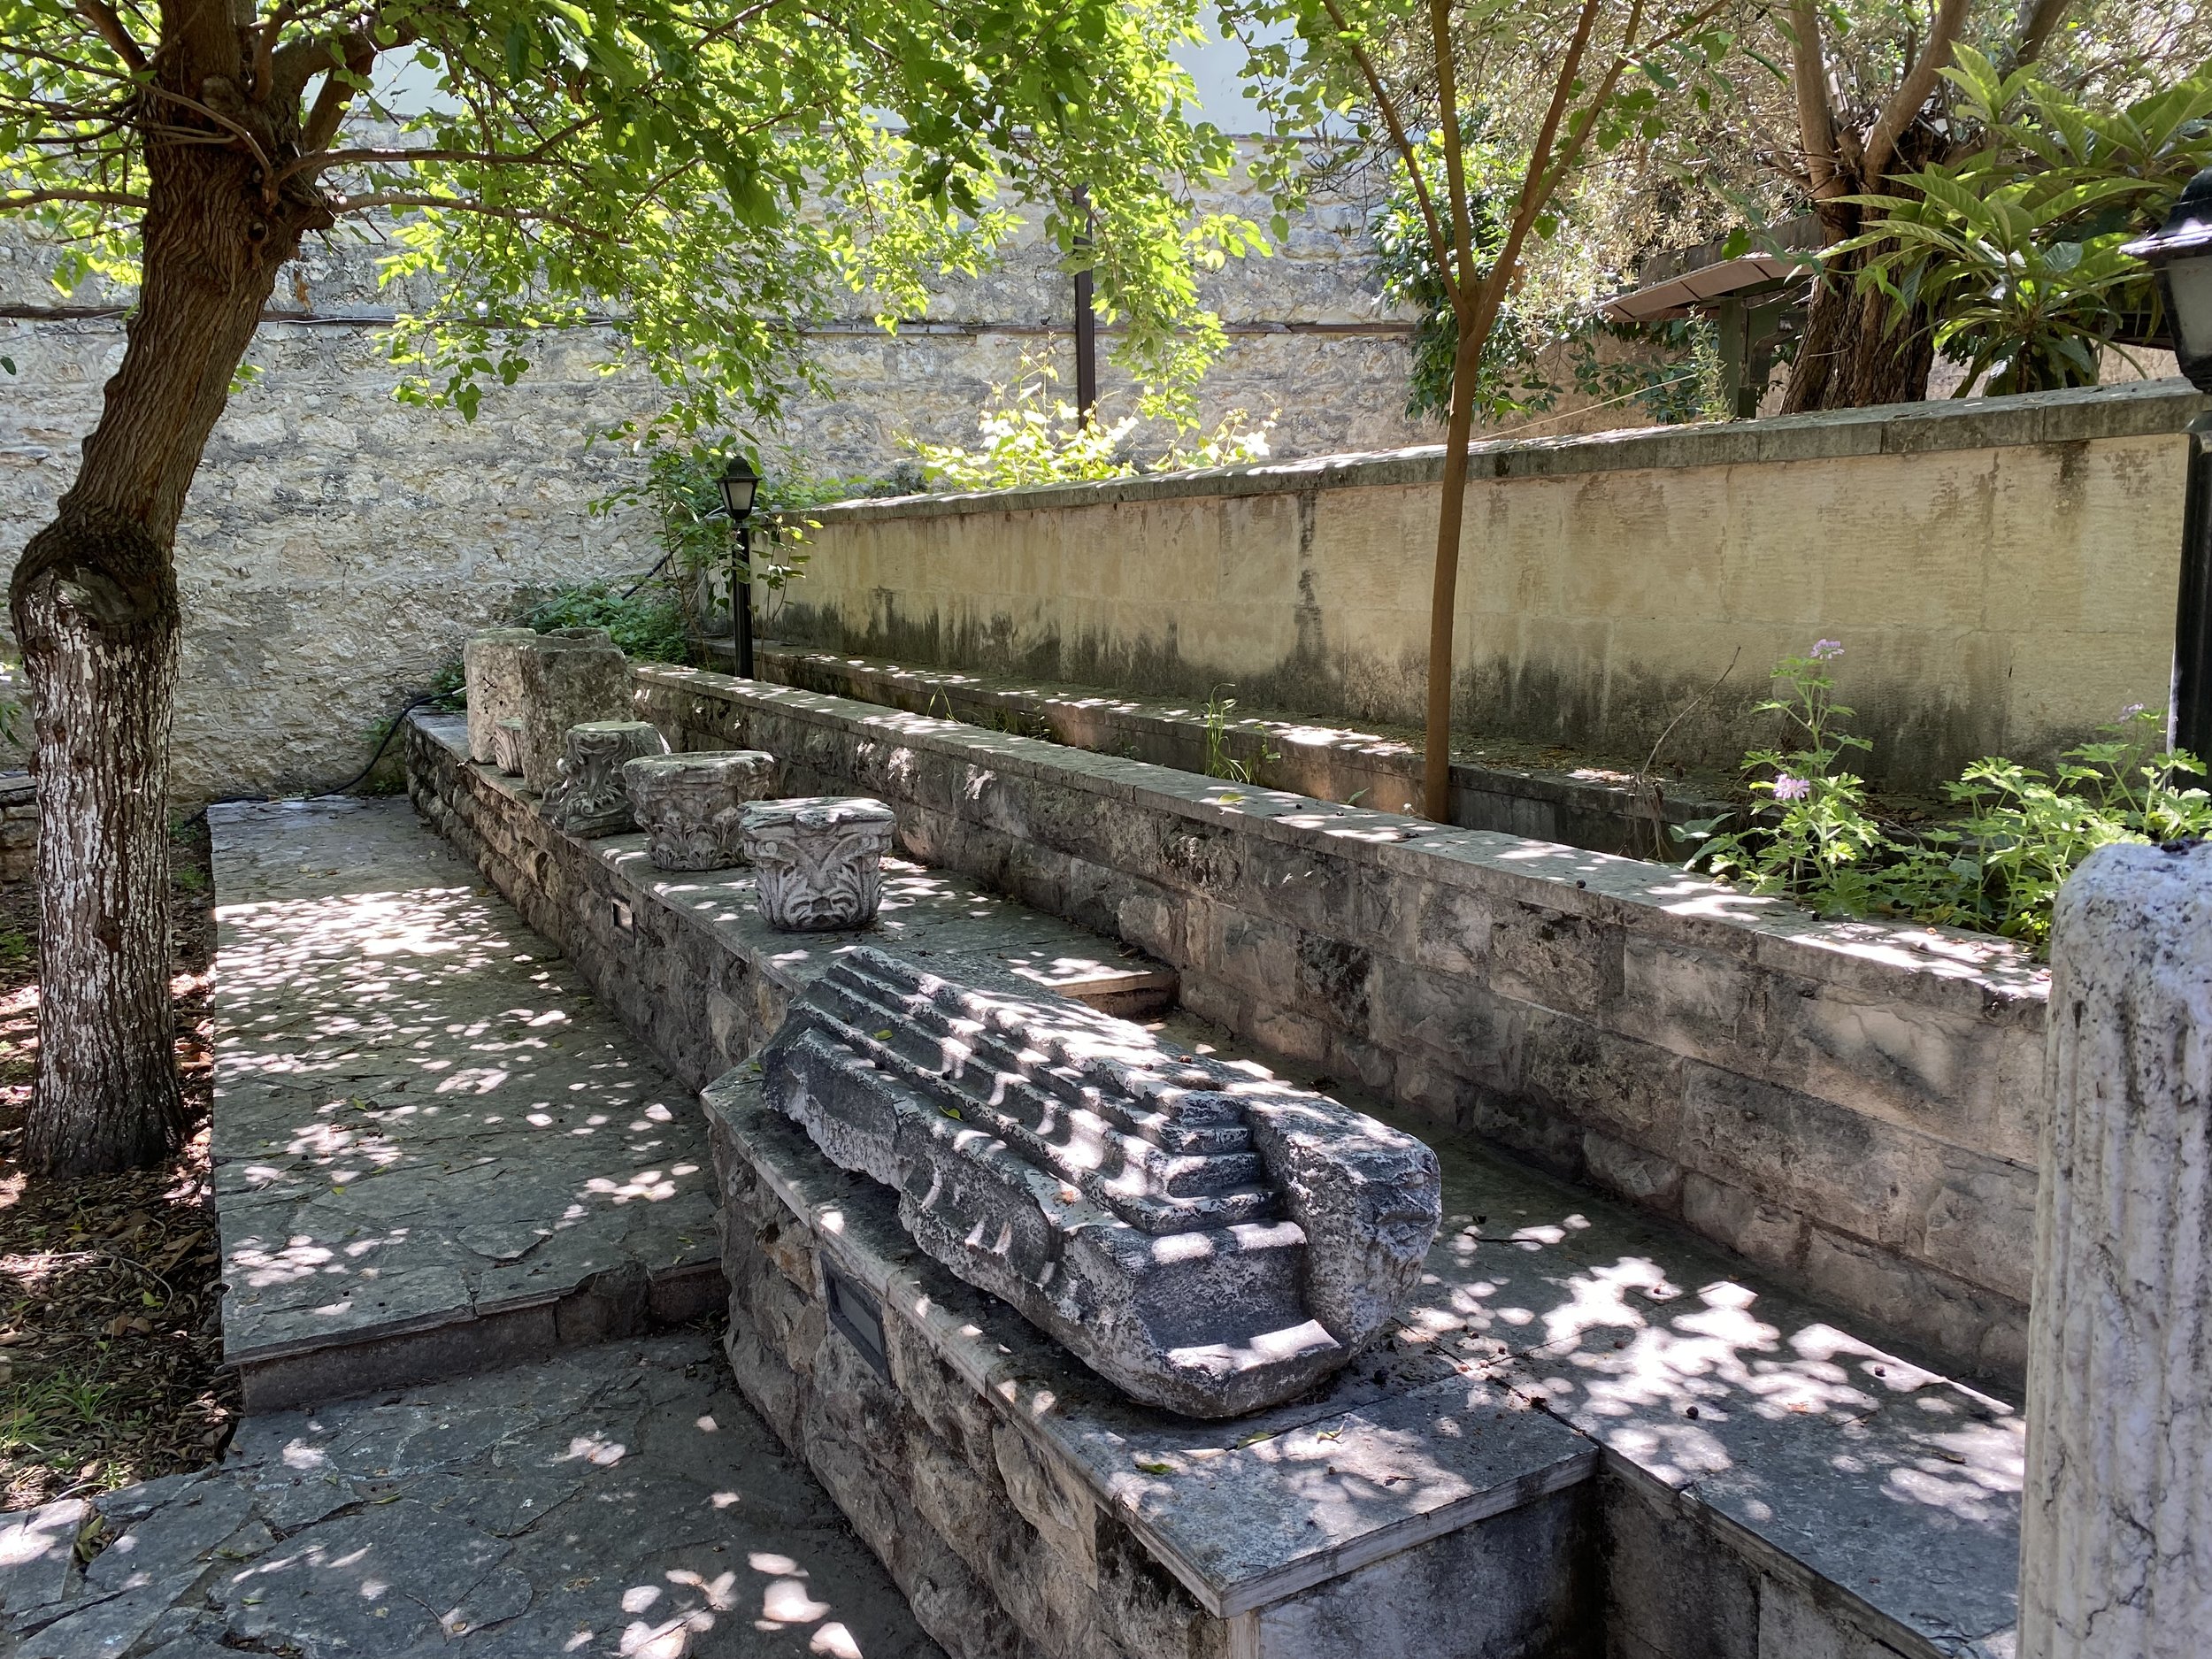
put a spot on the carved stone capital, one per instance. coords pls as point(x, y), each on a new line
point(820, 860)
point(491, 667)
point(691, 807)
point(590, 800)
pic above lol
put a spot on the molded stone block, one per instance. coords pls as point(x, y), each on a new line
point(820, 861)
point(590, 799)
point(490, 668)
point(567, 678)
point(1207, 1242)
point(691, 807)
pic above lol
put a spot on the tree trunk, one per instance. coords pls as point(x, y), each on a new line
point(1857, 351)
point(94, 604)
point(1436, 765)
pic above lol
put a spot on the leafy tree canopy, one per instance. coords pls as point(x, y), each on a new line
point(711, 174)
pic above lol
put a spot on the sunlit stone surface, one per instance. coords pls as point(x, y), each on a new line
point(591, 798)
point(565, 678)
point(491, 669)
point(1208, 1241)
point(2117, 1537)
point(820, 860)
point(691, 807)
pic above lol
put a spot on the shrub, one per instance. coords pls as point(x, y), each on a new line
point(1997, 867)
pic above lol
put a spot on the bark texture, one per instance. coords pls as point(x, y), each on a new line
point(94, 596)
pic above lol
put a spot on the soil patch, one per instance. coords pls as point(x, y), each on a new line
point(110, 1331)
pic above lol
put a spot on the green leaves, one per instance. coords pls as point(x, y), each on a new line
point(696, 183)
point(2016, 249)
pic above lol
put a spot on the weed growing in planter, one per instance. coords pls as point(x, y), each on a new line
point(1219, 762)
point(1996, 868)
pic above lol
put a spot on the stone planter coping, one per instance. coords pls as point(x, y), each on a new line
point(1974, 974)
point(2127, 411)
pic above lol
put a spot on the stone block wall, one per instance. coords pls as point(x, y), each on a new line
point(2002, 573)
point(1853, 1106)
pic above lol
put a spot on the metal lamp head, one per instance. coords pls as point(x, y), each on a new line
point(738, 484)
point(2181, 252)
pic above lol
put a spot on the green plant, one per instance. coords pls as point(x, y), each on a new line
point(2014, 251)
point(646, 620)
point(1219, 762)
point(1031, 435)
point(1820, 845)
point(1996, 868)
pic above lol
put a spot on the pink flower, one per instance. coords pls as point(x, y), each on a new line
point(1789, 788)
point(1827, 651)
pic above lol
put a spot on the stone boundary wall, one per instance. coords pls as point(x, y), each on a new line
point(1853, 1106)
point(1589, 811)
point(2002, 573)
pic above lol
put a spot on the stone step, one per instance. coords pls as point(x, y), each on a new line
point(434, 1150)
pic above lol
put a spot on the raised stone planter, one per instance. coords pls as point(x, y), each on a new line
point(565, 678)
point(1206, 1241)
point(2115, 1551)
point(1852, 1105)
point(691, 807)
point(491, 668)
point(590, 799)
point(820, 861)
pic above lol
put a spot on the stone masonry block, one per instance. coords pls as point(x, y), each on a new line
point(1571, 964)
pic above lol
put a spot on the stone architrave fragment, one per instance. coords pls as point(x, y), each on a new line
point(1209, 1242)
point(691, 807)
point(507, 746)
point(819, 859)
point(569, 677)
point(590, 799)
point(2115, 1544)
point(489, 667)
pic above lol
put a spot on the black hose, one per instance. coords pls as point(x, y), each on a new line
point(390, 732)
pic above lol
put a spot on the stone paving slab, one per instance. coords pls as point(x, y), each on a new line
point(429, 1139)
point(617, 1501)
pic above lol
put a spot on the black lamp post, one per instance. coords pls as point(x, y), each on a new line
point(2181, 253)
point(739, 483)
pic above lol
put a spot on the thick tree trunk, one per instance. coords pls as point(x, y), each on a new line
point(100, 645)
point(94, 604)
point(1857, 350)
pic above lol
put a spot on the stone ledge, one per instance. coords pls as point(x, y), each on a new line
point(1329, 762)
point(2134, 409)
point(1851, 1106)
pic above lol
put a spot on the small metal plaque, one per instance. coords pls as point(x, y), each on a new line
point(858, 1317)
point(623, 918)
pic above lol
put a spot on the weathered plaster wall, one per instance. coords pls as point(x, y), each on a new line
point(2000, 573)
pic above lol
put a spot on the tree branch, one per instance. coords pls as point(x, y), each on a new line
point(1459, 277)
point(2037, 24)
point(1439, 244)
point(330, 104)
point(111, 29)
point(100, 198)
point(462, 204)
point(1905, 104)
point(1816, 120)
